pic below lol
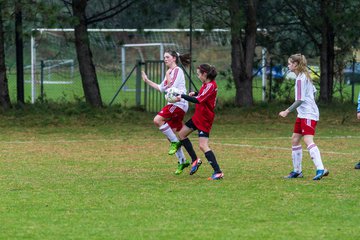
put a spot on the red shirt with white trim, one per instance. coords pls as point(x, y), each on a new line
point(204, 115)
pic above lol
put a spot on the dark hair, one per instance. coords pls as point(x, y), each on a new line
point(209, 70)
point(184, 59)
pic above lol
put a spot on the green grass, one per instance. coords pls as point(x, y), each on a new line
point(104, 174)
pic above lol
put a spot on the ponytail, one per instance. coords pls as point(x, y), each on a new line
point(184, 59)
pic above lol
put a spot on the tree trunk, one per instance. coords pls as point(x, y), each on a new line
point(327, 57)
point(19, 53)
point(84, 55)
point(4, 90)
point(242, 50)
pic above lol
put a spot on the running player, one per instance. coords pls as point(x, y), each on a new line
point(307, 118)
point(169, 119)
point(202, 119)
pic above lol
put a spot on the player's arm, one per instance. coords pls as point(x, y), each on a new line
point(299, 86)
point(149, 82)
point(293, 106)
point(189, 98)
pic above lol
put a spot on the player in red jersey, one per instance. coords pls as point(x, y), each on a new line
point(202, 119)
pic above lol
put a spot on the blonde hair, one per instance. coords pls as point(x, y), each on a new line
point(301, 64)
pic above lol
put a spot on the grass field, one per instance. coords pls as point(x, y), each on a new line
point(84, 174)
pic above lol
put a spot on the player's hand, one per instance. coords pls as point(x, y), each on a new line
point(191, 94)
point(284, 113)
point(144, 76)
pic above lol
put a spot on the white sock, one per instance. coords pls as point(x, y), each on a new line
point(297, 158)
point(180, 155)
point(166, 129)
point(315, 156)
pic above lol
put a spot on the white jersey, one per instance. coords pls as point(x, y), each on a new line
point(305, 92)
point(178, 81)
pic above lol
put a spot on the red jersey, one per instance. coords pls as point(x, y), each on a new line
point(204, 115)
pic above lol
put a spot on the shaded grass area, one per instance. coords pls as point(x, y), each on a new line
point(78, 173)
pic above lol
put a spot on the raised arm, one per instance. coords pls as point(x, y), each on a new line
point(148, 81)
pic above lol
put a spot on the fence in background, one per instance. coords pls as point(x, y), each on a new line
point(61, 82)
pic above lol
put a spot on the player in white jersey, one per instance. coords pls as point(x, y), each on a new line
point(170, 119)
point(307, 118)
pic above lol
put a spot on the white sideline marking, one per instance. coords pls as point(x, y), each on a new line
point(272, 138)
point(275, 148)
point(214, 142)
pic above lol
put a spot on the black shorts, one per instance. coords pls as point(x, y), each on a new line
point(190, 124)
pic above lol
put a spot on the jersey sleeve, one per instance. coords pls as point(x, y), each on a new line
point(358, 108)
point(208, 91)
point(162, 87)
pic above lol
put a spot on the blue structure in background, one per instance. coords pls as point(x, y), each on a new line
point(276, 71)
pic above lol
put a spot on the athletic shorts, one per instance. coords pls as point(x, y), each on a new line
point(305, 126)
point(190, 124)
point(173, 115)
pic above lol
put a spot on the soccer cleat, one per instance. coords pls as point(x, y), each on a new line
point(294, 175)
point(216, 176)
point(357, 166)
point(181, 167)
point(195, 166)
point(174, 146)
point(320, 174)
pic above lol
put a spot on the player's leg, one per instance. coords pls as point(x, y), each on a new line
point(164, 127)
point(163, 121)
point(309, 132)
point(210, 156)
point(185, 131)
point(185, 141)
point(296, 151)
point(182, 162)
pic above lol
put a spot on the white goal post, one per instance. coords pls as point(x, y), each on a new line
point(123, 55)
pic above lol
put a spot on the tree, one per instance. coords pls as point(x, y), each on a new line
point(19, 52)
point(241, 18)
point(316, 28)
point(243, 43)
point(4, 89)
point(104, 10)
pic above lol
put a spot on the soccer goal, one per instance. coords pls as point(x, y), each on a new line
point(115, 52)
point(139, 47)
point(52, 68)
